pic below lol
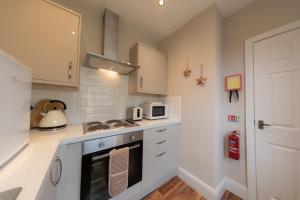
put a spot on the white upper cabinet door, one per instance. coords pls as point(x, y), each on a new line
point(45, 37)
point(150, 78)
point(277, 116)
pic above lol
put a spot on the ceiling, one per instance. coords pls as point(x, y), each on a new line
point(161, 21)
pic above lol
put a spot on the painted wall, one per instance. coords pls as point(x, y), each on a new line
point(257, 18)
point(101, 96)
point(197, 40)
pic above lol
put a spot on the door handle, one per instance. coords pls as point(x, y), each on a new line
point(261, 124)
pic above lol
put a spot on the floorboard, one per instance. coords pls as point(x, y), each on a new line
point(176, 189)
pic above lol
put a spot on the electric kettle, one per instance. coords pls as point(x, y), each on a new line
point(54, 116)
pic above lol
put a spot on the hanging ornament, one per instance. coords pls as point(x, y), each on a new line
point(187, 71)
point(201, 80)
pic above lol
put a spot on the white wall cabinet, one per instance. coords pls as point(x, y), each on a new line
point(45, 37)
point(151, 77)
point(161, 154)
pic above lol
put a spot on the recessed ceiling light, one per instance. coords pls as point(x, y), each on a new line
point(161, 2)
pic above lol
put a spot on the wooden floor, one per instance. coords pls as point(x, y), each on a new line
point(176, 189)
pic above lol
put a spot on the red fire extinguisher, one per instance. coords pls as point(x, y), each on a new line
point(234, 145)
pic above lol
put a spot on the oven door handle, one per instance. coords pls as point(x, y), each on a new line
point(107, 154)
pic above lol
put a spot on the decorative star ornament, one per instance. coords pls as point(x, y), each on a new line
point(187, 72)
point(201, 80)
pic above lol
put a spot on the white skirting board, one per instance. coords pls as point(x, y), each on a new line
point(209, 192)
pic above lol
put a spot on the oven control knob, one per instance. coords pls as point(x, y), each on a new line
point(101, 144)
point(133, 137)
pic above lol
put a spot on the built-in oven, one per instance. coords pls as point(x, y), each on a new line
point(95, 163)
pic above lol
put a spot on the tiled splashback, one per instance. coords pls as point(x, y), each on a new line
point(101, 96)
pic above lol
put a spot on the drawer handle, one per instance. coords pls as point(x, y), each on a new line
point(162, 130)
point(161, 142)
point(161, 154)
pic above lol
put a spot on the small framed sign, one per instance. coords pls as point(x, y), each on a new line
point(233, 82)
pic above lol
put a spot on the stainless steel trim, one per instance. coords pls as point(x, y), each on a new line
point(54, 183)
point(99, 179)
point(99, 163)
point(106, 155)
point(92, 146)
point(161, 130)
point(108, 60)
point(161, 142)
point(161, 154)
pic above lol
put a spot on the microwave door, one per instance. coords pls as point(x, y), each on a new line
point(158, 111)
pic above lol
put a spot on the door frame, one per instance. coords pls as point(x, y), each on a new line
point(249, 92)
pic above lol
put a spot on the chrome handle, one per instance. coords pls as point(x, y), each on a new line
point(70, 69)
point(141, 82)
point(161, 154)
point(55, 182)
point(261, 124)
point(161, 130)
point(161, 142)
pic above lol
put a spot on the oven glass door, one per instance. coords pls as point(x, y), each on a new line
point(94, 174)
point(158, 111)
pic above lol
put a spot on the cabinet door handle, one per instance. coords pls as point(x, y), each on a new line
point(161, 154)
point(161, 130)
point(141, 82)
point(55, 182)
point(161, 142)
point(70, 71)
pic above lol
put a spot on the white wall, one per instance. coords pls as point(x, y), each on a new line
point(101, 95)
point(197, 40)
point(257, 18)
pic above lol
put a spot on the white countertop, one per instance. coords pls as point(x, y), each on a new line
point(29, 167)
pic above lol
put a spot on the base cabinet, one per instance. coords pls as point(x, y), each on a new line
point(70, 189)
point(160, 161)
point(161, 154)
point(52, 182)
point(62, 181)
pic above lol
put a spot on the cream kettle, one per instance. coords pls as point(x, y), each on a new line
point(54, 116)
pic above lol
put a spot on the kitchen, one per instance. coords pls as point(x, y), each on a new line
point(108, 80)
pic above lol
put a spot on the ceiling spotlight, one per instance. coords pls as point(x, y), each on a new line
point(161, 2)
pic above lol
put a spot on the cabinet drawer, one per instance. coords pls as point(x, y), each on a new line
point(155, 133)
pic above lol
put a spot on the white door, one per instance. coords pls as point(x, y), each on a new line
point(277, 103)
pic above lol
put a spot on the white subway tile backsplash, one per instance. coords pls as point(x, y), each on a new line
point(101, 96)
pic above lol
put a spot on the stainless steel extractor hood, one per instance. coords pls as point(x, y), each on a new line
point(108, 60)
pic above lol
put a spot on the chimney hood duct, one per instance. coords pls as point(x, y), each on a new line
point(108, 60)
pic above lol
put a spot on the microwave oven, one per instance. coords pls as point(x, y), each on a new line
point(155, 110)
